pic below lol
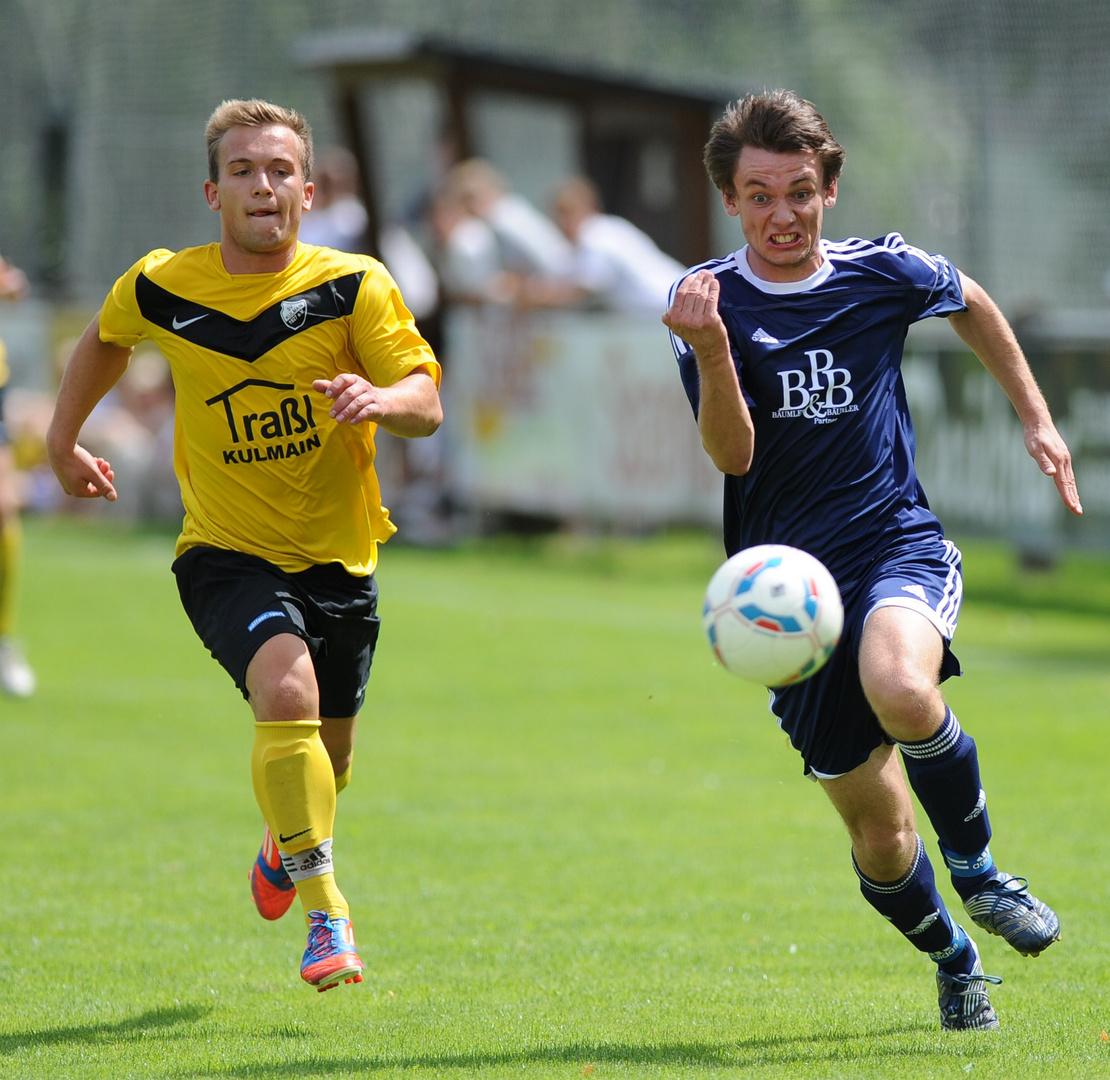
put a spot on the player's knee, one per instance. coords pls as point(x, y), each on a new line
point(282, 681)
point(908, 704)
point(288, 698)
point(884, 849)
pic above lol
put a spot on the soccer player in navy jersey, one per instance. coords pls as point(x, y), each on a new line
point(790, 352)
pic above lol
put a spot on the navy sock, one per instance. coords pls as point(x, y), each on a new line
point(959, 957)
point(914, 906)
point(944, 774)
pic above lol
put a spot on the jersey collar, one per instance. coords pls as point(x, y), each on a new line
point(783, 288)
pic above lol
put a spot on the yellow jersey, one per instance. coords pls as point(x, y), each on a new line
point(263, 468)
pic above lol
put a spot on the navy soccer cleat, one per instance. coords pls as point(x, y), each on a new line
point(1006, 908)
point(964, 1002)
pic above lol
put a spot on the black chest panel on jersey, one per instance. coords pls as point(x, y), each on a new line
point(219, 332)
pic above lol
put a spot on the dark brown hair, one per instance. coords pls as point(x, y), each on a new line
point(776, 120)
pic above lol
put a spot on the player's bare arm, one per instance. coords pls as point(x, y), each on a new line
point(93, 369)
point(985, 329)
point(724, 422)
point(409, 408)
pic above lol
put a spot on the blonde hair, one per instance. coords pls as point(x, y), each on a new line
point(254, 113)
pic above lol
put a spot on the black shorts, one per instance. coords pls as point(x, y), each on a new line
point(237, 602)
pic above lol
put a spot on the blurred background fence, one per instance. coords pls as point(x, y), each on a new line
point(977, 128)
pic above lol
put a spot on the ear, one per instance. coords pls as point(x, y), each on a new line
point(309, 191)
point(830, 195)
point(732, 205)
point(212, 195)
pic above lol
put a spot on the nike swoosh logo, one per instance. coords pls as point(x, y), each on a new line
point(178, 324)
point(293, 836)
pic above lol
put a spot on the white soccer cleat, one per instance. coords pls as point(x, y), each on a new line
point(16, 676)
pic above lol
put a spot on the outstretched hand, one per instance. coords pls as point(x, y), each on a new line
point(1051, 454)
point(84, 476)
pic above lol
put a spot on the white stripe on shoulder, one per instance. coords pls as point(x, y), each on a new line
point(856, 248)
point(715, 266)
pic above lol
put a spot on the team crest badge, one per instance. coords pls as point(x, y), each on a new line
point(294, 313)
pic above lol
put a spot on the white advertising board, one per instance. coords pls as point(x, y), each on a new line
point(575, 415)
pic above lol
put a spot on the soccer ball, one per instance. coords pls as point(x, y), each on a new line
point(773, 614)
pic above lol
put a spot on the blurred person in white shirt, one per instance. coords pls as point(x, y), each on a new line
point(529, 243)
point(338, 219)
point(613, 263)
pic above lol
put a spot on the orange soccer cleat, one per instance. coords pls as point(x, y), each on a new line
point(330, 956)
point(271, 886)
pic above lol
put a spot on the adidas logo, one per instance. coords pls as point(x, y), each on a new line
point(916, 590)
point(308, 863)
point(980, 806)
point(767, 339)
point(924, 925)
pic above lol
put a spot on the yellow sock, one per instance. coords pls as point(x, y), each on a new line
point(295, 788)
point(11, 547)
point(320, 893)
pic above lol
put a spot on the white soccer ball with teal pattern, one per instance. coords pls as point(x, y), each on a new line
point(773, 614)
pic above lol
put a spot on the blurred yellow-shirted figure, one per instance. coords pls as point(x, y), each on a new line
point(16, 676)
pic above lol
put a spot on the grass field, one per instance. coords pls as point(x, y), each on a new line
point(573, 846)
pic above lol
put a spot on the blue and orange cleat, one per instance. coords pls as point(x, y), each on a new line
point(330, 956)
point(271, 886)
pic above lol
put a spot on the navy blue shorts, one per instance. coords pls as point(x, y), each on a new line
point(237, 602)
point(828, 718)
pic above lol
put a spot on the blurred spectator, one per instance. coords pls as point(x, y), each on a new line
point(468, 257)
point(146, 395)
point(133, 424)
point(16, 676)
point(528, 241)
point(338, 219)
point(613, 263)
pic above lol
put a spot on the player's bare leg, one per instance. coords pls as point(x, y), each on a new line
point(900, 662)
point(338, 736)
point(294, 782)
point(896, 878)
point(874, 803)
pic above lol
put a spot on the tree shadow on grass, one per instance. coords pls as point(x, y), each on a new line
point(136, 1027)
point(844, 1046)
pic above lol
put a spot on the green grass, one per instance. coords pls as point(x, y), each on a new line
point(573, 846)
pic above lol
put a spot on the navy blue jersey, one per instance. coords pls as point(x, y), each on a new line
point(819, 363)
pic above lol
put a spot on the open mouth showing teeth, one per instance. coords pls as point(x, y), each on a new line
point(784, 238)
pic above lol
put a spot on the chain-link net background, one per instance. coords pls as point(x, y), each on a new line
point(979, 128)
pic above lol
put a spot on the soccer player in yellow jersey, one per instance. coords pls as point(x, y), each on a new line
point(285, 360)
point(16, 676)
